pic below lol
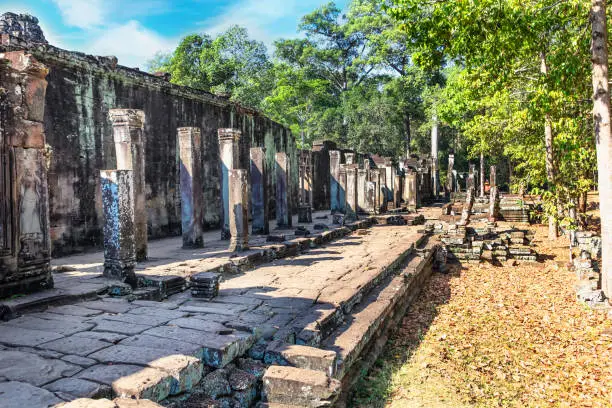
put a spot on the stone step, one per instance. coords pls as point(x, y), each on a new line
point(283, 354)
point(299, 386)
point(368, 322)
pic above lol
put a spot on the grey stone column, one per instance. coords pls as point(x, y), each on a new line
point(397, 191)
point(119, 225)
point(128, 134)
point(390, 177)
point(335, 157)
point(259, 192)
point(450, 185)
point(362, 179)
point(283, 210)
point(351, 192)
point(238, 215)
point(371, 191)
point(305, 187)
point(469, 199)
point(375, 177)
point(192, 196)
point(412, 199)
point(342, 189)
point(229, 154)
point(494, 196)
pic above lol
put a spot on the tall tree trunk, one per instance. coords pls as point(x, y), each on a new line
point(603, 135)
point(435, 174)
point(482, 175)
point(553, 229)
point(408, 134)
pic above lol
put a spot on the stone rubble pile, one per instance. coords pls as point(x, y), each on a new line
point(485, 242)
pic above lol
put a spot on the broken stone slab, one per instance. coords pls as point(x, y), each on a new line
point(80, 346)
point(166, 344)
point(212, 308)
point(279, 353)
point(108, 307)
point(153, 311)
point(217, 350)
point(102, 336)
point(198, 324)
point(113, 326)
point(15, 394)
point(80, 388)
point(65, 328)
point(32, 368)
point(298, 386)
point(78, 360)
point(148, 320)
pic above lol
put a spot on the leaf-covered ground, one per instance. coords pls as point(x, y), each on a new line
point(490, 336)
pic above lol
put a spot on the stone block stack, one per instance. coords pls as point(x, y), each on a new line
point(205, 285)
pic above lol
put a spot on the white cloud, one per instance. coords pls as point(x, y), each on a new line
point(83, 13)
point(131, 43)
point(260, 19)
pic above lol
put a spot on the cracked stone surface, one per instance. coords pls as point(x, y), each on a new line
point(155, 349)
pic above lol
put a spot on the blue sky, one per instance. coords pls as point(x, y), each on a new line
point(134, 30)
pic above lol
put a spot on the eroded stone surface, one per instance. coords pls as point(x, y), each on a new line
point(33, 369)
point(14, 394)
point(78, 345)
point(79, 388)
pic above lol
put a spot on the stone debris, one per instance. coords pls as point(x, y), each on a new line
point(205, 285)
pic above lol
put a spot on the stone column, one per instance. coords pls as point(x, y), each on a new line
point(376, 178)
point(351, 192)
point(283, 210)
point(192, 196)
point(259, 192)
point(450, 185)
point(305, 187)
point(370, 197)
point(469, 200)
point(229, 154)
point(25, 243)
point(362, 179)
point(350, 158)
point(128, 134)
point(494, 197)
point(412, 194)
point(342, 189)
point(334, 180)
point(119, 225)
point(435, 174)
point(238, 215)
point(397, 191)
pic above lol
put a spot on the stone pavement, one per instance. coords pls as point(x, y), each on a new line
point(109, 347)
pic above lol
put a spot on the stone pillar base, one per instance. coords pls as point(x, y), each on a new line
point(305, 214)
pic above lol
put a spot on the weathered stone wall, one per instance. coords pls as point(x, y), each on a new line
point(81, 91)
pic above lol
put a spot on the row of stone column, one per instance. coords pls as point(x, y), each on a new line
point(124, 194)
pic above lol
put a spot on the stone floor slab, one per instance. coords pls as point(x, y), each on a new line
point(102, 336)
point(32, 368)
point(108, 307)
point(113, 326)
point(106, 374)
point(17, 336)
point(152, 311)
point(81, 346)
point(65, 328)
point(79, 388)
point(149, 320)
point(129, 355)
point(74, 310)
point(169, 345)
point(198, 324)
point(14, 394)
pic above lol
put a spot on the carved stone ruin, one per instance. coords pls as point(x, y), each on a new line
point(305, 187)
point(259, 192)
point(370, 197)
point(450, 175)
point(351, 191)
point(128, 134)
point(229, 153)
point(238, 217)
point(192, 197)
point(336, 191)
point(119, 225)
point(494, 196)
point(25, 248)
point(411, 187)
point(283, 210)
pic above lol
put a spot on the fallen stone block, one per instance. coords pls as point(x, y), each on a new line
point(311, 358)
point(146, 383)
point(298, 386)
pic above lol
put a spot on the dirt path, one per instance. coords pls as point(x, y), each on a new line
point(497, 336)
